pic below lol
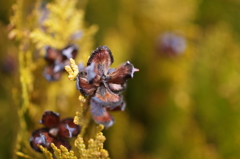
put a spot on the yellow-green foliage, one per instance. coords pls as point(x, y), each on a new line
point(61, 153)
point(57, 30)
point(81, 115)
point(62, 26)
point(62, 22)
point(72, 70)
point(20, 32)
point(94, 149)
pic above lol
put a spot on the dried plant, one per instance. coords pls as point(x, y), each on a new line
point(57, 33)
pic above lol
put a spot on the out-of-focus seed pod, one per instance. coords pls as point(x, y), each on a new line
point(170, 44)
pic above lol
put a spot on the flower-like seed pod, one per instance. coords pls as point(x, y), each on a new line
point(57, 60)
point(104, 84)
point(171, 44)
point(41, 137)
point(68, 129)
point(55, 131)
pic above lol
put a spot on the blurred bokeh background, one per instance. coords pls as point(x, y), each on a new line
point(183, 104)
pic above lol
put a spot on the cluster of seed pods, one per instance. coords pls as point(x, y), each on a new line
point(54, 131)
point(103, 84)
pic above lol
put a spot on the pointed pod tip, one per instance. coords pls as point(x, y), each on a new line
point(136, 70)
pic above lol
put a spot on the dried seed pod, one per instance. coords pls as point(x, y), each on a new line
point(68, 129)
point(170, 44)
point(41, 137)
point(57, 60)
point(104, 84)
point(55, 132)
point(50, 119)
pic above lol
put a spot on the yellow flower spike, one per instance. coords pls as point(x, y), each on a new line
point(72, 70)
point(100, 128)
point(90, 143)
point(81, 98)
point(104, 153)
point(61, 153)
point(79, 143)
point(65, 154)
point(57, 152)
point(100, 138)
point(79, 118)
point(47, 154)
point(63, 149)
point(23, 155)
point(94, 149)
